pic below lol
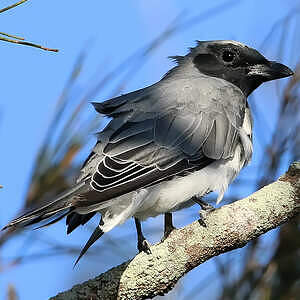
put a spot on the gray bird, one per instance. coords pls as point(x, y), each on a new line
point(169, 144)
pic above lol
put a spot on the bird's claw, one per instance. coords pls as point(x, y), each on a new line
point(204, 205)
point(206, 209)
point(203, 214)
point(144, 246)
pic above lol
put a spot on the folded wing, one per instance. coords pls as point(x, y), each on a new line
point(155, 136)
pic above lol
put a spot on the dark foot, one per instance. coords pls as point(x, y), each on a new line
point(168, 226)
point(144, 246)
point(202, 221)
point(206, 209)
point(204, 206)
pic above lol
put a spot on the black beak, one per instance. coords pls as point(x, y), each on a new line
point(270, 71)
point(278, 70)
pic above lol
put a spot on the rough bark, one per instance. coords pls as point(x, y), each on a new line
point(230, 227)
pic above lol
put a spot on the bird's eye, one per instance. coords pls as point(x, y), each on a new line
point(228, 56)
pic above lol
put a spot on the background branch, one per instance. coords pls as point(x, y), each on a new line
point(20, 40)
point(12, 6)
point(227, 228)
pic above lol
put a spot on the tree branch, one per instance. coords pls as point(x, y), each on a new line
point(12, 6)
point(26, 43)
point(20, 40)
point(230, 227)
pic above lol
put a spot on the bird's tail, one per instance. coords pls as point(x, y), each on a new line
point(54, 210)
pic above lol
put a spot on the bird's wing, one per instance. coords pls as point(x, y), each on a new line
point(152, 138)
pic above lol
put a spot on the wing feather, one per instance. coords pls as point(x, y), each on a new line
point(165, 132)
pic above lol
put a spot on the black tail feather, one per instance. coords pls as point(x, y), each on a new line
point(94, 237)
point(61, 204)
point(58, 218)
point(74, 219)
point(39, 214)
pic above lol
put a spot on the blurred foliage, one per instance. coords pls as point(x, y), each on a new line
point(12, 293)
point(266, 271)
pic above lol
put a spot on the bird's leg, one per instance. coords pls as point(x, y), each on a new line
point(168, 226)
point(143, 244)
point(205, 209)
point(205, 206)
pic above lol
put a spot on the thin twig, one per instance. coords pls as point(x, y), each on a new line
point(12, 36)
point(12, 6)
point(17, 39)
point(27, 44)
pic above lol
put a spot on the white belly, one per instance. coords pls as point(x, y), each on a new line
point(176, 194)
point(171, 195)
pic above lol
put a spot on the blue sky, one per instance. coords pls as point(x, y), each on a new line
point(32, 81)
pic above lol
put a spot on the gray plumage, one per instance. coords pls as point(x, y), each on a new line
point(184, 136)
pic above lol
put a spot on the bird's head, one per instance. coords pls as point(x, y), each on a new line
point(234, 62)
